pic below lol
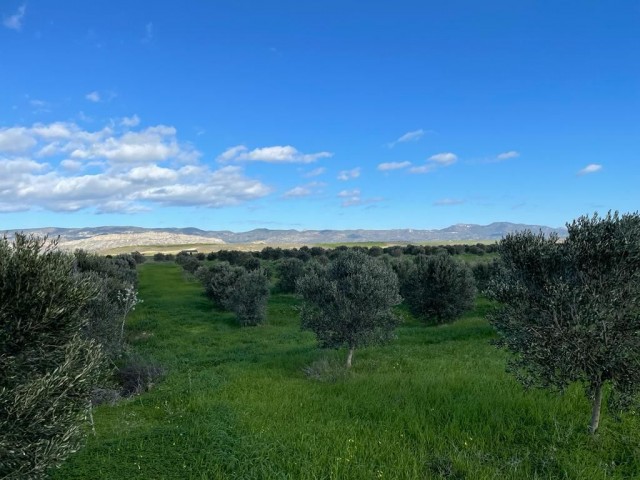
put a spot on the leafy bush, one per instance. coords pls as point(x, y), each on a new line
point(218, 281)
point(484, 273)
point(188, 262)
point(438, 288)
point(138, 257)
point(138, 375)
point(47, 370)
point(349, 301)
point(289, 270)
point(248, 298)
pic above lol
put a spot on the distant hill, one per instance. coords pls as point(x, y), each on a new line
point(99, 238)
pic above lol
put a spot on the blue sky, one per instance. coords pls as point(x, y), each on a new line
point(317, 115)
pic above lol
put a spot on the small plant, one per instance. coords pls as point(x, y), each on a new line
point(138, 375)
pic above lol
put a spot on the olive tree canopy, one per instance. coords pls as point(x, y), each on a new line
point(570, 310)
point(348, 302)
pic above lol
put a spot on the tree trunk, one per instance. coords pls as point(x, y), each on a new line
point(595, 411)
point(350, 357)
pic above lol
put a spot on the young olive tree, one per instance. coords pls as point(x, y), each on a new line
point(570, 310)
point(218, 281)
point(348, 302)
point(248, 298)
point(438, 288)
point(47, 368)
point(289, 270)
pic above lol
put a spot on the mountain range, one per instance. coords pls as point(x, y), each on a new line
point(84, 237)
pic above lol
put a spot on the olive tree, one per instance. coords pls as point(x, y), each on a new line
point(438, 288)
point(248, 297)
point(289, 270)
point(570, 310)
point(47, 368)
point(218, 281)
point(348, 302)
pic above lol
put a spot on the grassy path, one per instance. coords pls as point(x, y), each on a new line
point(237, 403)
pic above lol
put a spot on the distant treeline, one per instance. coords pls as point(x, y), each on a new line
point(305, 253)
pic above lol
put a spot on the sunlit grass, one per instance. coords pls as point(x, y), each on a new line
point(237, 403)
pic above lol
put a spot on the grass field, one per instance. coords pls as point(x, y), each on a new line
point(237, 403)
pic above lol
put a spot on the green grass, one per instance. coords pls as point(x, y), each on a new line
point(237, 404)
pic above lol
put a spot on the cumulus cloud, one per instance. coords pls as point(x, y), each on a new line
point(385, 167)
point(133, 121)
point(297, 192)
point(411, 136)
point(447, 202)
point(14, 22)
point(345, 175)
point(15, 139)
point(93, 97)
point(591, 168)
point(508, 155)
point(275, 154)
point(444, 159)
point(311, 188)
point(61, 167)
point(436, 161)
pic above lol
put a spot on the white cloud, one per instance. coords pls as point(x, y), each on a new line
point(444, 159)
point(430, 167)
point(311, 188)
point(591, 168)
point(411, 136)
point(14, 22)
point(447, 202)
point(133, 121)
point(297, 192)
point(130, 171)
point(224, 187)
point(315, 172)
point(353, 198)
point(385, 167)
point(152, 174)
point(153, 144)
point(436, 161)
point(93, 97)
point(275, 154)
point(508, 155)
point(15, 139)
point(345, 175)
point(71, 165)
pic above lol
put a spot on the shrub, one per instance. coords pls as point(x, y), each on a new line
point(218, 281)
point(138, 257)
point(289, 270)
point(439, 288)
point(47, 370)
point(138, 375)
point(189, 263)
point(248, 298)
